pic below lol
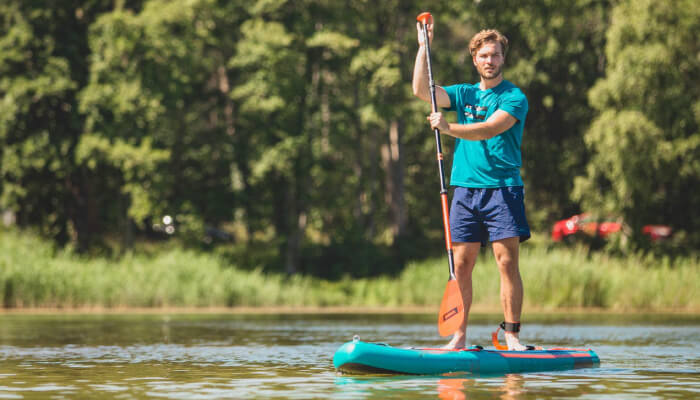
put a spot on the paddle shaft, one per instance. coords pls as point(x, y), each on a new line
point(441, 164)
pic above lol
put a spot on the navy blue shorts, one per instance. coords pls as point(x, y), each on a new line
point(483, 215)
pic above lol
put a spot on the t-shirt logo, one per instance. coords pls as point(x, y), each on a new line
point(475, 112)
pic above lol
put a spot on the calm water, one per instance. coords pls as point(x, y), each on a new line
point(289, 356)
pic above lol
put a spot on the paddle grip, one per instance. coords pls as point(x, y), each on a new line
point(425, 18)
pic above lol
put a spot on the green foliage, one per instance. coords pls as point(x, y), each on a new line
point(39, 125)
point(644, 140)
point(627, 150)
point(33, 273)
point(292, 125)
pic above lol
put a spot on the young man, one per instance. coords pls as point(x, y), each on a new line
point(487, 204)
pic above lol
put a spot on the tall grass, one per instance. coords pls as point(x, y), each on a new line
point(34, 274)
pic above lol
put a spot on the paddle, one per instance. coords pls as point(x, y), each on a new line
point(451, 312)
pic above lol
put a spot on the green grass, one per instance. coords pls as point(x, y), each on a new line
point(34, 274)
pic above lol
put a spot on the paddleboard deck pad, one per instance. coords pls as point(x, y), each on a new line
point(358, 357)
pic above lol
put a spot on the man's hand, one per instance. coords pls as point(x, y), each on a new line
point(497, 123)
point(421, 84)
point(421, 39)
point(438, 121)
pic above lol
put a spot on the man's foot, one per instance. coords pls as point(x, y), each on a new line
point(513, 342)
point(458, 342)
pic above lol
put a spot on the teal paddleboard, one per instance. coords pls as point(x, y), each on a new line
point(358, 357)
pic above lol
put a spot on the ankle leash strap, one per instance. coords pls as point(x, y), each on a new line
point(513, 327)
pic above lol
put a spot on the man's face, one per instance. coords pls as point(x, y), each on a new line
point(489, 60)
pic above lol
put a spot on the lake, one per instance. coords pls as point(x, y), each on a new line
point(245, 356)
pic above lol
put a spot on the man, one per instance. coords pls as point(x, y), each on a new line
point(487, 203)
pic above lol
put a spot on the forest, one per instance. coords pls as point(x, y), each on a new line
point(285, 135)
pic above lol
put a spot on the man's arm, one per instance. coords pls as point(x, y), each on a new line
point(498, 122)
point(421, 82)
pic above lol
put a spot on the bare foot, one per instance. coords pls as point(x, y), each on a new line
point(514, 342)
point(458, 342)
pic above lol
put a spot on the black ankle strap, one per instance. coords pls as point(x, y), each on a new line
point(510, 326)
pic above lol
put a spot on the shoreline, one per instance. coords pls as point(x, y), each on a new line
point(277, 310)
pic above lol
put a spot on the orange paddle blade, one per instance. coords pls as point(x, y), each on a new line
point(451, 309)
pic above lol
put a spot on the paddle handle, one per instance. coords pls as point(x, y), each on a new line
point(423, 19)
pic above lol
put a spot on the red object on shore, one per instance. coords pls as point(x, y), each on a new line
point(587, 224)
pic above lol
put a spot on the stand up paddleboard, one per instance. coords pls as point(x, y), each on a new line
point(357, 357)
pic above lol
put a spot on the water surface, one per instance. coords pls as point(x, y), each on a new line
point(231, 356)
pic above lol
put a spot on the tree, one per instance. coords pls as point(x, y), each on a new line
point(43, 53)
point(645, 142)
point(158, 121)
point(293, 123)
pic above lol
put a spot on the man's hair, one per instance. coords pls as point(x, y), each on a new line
point(487, 35)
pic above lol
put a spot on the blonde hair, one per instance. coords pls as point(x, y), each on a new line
point(487, 35)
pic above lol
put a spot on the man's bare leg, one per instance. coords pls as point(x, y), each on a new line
point(465, 255)
point(506, 252)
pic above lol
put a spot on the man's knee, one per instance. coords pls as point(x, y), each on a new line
point(506, 254)
point(508, 265)
point(465, 255)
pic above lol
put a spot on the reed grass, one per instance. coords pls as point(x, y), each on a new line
point(34, 274)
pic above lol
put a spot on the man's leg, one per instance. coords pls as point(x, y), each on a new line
point(506, 253)
point(465, 255)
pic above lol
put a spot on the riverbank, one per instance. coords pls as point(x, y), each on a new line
point(477, 310)
point(34, 276)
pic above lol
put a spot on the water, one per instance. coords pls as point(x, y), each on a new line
point(231, 356)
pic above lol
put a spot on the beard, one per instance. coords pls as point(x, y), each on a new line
point(493, 73)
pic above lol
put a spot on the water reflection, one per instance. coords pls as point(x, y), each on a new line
point(513, 387)
point(458, 388)
point(451, 389)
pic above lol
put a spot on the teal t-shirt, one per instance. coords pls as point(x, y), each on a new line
point(494, 162)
